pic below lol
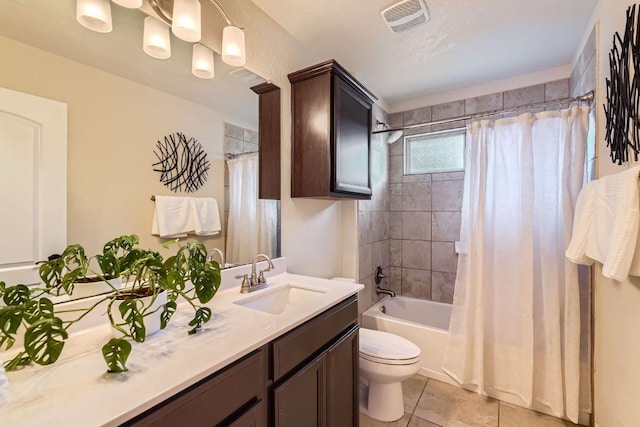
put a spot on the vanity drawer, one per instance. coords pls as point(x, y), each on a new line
point(228, 395)
point(304, 341)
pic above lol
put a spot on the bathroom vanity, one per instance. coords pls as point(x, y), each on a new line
point(283, 356)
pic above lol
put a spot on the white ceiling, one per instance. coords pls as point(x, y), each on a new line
point(466, 42)
point(51, 25)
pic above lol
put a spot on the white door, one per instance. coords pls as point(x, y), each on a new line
point(33, 183)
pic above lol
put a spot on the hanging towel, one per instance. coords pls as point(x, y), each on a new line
point(4, 386)
point(206, 216)
point(609, 209)
point(172, 217)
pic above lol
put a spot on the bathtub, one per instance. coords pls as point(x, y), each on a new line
point(426, 323)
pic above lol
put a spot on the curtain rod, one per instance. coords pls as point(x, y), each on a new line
point(587, 97)
point(232, 156)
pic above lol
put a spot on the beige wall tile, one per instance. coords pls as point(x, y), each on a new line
point(395, 253)
point(416, 254)
point(395, 120)
point(442, 286)
point(416, 225)
point(484, 103)
point(379, 225)
point(380, 254)
point(395, 225)
point(233, 145)
point(448, 110)
point(395, 280)
point(445, 226)
point(416, 196)
point(447, 176)
point(365, 261)
point(416, 283)
point(417, 115)
point(421, 177)
point(446, 195)
point(395, 197)
point(397, 148)
point(396, 168)
point(365, 230)
point(443, 257)
point(523, 96)
point(234, 131)
point(557, 89)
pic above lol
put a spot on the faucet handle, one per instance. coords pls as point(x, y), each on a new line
point(244, 288)
point(261, 278)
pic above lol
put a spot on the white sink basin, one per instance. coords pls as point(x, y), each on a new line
point(281, 299)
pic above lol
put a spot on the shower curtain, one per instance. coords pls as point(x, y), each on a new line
point(253, 223)
point(516, 325)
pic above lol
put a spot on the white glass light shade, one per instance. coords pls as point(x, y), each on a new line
point(94, 15)
point(131, 4)
point(202, 62)
point(233, 52)
point(186, 20)
point(156, 42)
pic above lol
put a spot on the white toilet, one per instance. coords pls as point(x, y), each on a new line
point(385, 361)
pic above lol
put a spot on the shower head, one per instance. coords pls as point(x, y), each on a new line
point(393, 136)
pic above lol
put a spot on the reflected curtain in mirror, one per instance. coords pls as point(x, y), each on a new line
point(252, 225)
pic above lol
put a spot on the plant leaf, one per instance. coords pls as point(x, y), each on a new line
point(115, 353)
point(108, 264)
point(17, 362)
point(51, 272)
point(168, 309)
point(44, 340)
point(10, 320)
point(16, 295)
point(132, 316)
point(202, 315)
point(206, 282)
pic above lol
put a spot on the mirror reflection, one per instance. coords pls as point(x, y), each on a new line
point(119, 103)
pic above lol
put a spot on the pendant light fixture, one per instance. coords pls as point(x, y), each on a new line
point(94, 15)
point(233, 52)
point(202, 62)
point(186, 20)
point(156, 40)
point(131, 4)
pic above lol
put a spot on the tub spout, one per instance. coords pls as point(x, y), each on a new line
point(389, 292)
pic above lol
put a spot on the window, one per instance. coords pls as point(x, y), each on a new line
point(434, 152)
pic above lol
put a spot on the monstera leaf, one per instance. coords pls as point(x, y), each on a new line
point(44, 340)
point(167, 311)
point(115, 353)
point(202, 316)
point(132, 316)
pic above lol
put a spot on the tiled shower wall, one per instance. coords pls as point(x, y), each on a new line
point(373, 220)
point(424, 217)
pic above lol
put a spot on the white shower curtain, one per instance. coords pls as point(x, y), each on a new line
point(253, 222)
point(516, 322)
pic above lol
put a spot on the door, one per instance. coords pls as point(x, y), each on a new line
point(342, 381)
point(301, 400)
point(33, 183)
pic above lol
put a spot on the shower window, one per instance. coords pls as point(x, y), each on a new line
point(434, 152)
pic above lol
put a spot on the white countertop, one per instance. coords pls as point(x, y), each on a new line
point(77, 391)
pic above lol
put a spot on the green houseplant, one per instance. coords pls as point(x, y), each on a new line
point(187, 275)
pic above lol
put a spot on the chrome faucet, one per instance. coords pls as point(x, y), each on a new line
point(255, 281)
point(219, 252)
point(389, 292)
point(378, 279)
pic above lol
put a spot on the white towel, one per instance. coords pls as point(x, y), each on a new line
point(172, 217)
point(4, 386)
point(609, 209)
point(206, 216)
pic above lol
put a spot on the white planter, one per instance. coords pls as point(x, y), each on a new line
point(84, 290)
point(151, 319)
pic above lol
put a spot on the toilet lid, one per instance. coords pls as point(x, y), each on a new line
point(387, 348)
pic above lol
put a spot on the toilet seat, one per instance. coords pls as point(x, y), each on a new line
point(386, 348)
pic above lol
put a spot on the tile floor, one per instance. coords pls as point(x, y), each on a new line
point(431, 403)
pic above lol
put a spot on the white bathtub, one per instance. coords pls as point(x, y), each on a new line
point(426, 323)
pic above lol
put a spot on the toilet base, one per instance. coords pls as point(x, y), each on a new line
point(382, 402)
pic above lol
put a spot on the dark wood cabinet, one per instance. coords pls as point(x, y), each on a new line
point(269, 140)
point(331, 131)
point(307, 377)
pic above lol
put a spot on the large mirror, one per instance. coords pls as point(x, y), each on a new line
point(119, 104)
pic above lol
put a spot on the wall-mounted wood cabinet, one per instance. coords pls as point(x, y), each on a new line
point(331, 131)
point(269, 139)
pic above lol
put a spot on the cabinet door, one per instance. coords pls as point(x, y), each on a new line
point(350, 153)
point(342, 381)
point(254, 417)
point(301, 400)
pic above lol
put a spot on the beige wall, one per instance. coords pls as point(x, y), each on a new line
point(616, 305)
point(113, 125)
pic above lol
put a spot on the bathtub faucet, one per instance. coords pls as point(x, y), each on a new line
point(389, 292)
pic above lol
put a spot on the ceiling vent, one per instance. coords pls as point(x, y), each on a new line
point(405, 15)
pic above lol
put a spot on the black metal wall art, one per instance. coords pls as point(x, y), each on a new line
point(623, 92)
point(182, 163)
